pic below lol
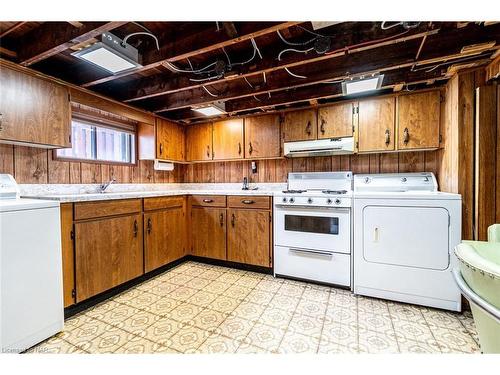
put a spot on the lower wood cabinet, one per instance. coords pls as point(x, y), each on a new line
point(164, 234)
point(108, 252)
point(208, 232)
point(249, 237)
point(68, 254)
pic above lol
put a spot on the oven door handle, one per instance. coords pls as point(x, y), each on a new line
point(312, 209)
point(315, 252)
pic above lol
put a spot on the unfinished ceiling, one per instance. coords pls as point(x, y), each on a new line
point(251, 66)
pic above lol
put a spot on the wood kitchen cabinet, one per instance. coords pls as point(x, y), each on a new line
point(68, 254)
point(33, 110)
point(262, 137)
point(170, 141)
point(199, 142)
point(208, 232)
point(299, 125)
point(335, 121)
point(108, 248)
point(164, 231)
point(228, 139)
point(418, 120)
point(376, 124)
point(249, 236)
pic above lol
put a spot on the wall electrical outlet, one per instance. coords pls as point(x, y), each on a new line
point(254, 167)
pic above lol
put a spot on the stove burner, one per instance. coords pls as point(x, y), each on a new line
point(294, 191)
point(334, 191)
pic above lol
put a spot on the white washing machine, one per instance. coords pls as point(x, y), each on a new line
point(404, 234)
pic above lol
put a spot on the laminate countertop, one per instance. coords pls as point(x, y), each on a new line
point(90, 192)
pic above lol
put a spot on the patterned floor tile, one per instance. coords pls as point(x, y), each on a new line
point(138, 323)
point(291, 290)
point(250, 349)
point(235, 327)
point(276, 317)
point(237, 291)
point(259, 297)
point(224, 304)
point(281, 301)
point(55, 345)
point(249, 311)
point(162, 330)
point(306, 325)
point(216, 287)
point(144, 346)
point(188, 339)
point(217, 344)
point(209, 320)
point(296, 343)
point(377, 342)
point(346, 335)
point(163, 306)
point(183, 293)
point(202, 298)
point(265, 337)
point(311, 308)
point(185, 313)
point(164, 289)
point(143, 300)
point(198, 283)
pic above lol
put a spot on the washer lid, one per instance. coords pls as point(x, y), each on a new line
point(396, 182)
point(21, 204)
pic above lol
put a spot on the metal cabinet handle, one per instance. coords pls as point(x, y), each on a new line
point(250, 148)
point(208, 151)
point(233, 220)
point(208, 200)
point(161, 148)
point(136, 228)
point(239, 148)
point(150, 226)
point(247, 201)
point(1, 121)
point(308, 128)
point(406, 136)
point(322, 127)
point(387, 137)
point(221, 219)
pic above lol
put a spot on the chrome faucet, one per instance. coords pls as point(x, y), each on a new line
point(245, 184)
point(103, 187)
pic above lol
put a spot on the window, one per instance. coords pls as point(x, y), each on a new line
point(95, 141)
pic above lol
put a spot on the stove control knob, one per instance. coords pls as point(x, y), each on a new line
point(337, 201)
point(284, 199)
point(292, 200)
point(329, 201)
point(309, 200)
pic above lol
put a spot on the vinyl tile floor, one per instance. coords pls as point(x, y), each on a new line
point(199, 308)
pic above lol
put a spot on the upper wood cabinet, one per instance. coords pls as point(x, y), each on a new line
point(418, 120)
point(228, 139)
point(249, 236)
point(262, 137)
point(33, 110)
point(164, 234)
point(170, 141)
point(300, 125)
point(108, 252)
point(335, 121)
point(199, 142)
point(376, 123)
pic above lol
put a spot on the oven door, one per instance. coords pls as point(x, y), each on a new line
point(319, 228)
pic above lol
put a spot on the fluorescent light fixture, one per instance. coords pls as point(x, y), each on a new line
point(110, 54)
point(212, 110)
point(362, 85)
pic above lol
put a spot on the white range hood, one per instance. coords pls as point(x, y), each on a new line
point(320, 147)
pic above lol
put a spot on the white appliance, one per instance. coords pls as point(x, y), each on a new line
point(319, 147)
point(31, 294)
point(404, 234)
point(312, 227)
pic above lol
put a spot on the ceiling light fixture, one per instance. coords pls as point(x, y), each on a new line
point(111, 53)
point(212, 109)
point(355, 86)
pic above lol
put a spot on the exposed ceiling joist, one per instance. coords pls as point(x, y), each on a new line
point(194, 45)
point(365, 40)
point(12, 28)
point(52, 38)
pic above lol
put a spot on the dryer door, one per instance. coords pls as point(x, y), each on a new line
point(406, 236)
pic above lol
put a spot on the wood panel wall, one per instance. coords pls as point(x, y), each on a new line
point(31, 165)
point(276, 170)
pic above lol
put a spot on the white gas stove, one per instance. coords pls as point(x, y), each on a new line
point(312, 227)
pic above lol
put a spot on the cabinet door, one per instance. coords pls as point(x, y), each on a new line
point(208, 232)
point(165, 237)
point(108, 252)
point(68, 253)
point(335, 121)
point(262, 137)
point(33, 110)
point(249, 237)
point(300, 125)
point(418, 120)
point(228, 139)
point(170, 141)
point(199, 142)
point(376, 125)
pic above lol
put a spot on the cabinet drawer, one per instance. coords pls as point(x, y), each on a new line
point(90, 210)
point(157, 203)
point(209, 200)
point(242, 201)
